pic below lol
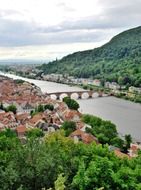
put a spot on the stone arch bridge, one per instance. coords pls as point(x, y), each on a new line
point(90, 94)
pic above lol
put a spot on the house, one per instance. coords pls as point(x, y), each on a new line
point(133, 89)
point(21, 131)
point(42, 125)
point(82, 126)
point(120, 154)
point(46, 127)
point(117, 152)
point(71, 115)
point(84, 81)
point(18, 106)
point(27, 107)
point(38, 120)
point(112, 85)
point(97, 82)
point(1, 126)
point(35, 119)
point(8, 120)
point(22, 118)
point(86, 138)
point(133, 151)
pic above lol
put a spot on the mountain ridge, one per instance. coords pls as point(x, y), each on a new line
point(118, 60)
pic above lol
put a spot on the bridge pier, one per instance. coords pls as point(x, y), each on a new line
point(100, 94)
point(79, 95)
point(90, 96)
point(69, 95)
point(57, 97)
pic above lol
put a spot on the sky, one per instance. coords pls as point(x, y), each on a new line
point(50, 29)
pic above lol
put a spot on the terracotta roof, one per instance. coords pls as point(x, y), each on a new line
point(22, 116)
point(134, 147)
point(36, 118)
point(21, 129)
point(85, 137)
point(120, 154)
point(80, 124)
point(7, 118)
point(70, 114)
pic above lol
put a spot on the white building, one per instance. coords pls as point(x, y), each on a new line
point(133, 89)
point(97, 82)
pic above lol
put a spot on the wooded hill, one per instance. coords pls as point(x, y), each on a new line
point(118, 60)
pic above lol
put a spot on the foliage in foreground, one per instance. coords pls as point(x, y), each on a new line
point(39, 163)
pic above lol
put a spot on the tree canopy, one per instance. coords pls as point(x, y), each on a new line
point(71, 103)
point(56, 162)
point(11, 108)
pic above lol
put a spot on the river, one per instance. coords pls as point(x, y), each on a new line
point(125, 114)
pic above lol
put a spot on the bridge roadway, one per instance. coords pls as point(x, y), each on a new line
point(79, 94)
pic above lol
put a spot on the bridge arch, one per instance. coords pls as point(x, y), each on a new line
point(85, 95)
point(95, 95)
point(53, 96)
point(74, 95)
point(61, 96)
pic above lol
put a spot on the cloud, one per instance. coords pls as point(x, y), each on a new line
point(22, 28)
point(65, 7)
point(22, 33)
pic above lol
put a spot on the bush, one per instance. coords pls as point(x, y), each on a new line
point(69, 127)
point(49, 107)
point(72, 104)
point(11, 108)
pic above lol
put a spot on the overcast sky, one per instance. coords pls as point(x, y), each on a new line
point(46, 29)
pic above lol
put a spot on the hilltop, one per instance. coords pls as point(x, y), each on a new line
point(118, 60)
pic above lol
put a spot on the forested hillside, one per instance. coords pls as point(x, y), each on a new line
point(119, 60)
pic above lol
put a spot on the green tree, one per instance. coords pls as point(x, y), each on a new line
point(12, 108)
point(128, 141)
point(40, 108)
point(69, 127)
point(72, 104)
point(105, 131)
point(117, 142)
point(85, 87)
point(8, 133)
point(1, 106)
point(60, 182)
point(49, 107)
point(80, 180)
point(56, 162)
point(34, 133)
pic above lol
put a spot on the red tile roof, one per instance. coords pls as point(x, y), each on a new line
point(85, 137)
point(36, 118)
point(21, 129)
point(119, 154)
